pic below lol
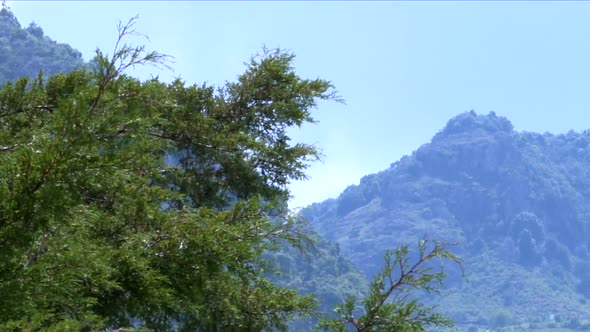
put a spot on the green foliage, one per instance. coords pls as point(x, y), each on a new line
point(27, 51)
point(390, 304)
point(143, 203)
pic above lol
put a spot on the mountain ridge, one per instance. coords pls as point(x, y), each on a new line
point(517, 200)
point(27, 51)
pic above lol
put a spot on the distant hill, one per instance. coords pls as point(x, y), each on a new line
point(517, 202)
point(26, 51)
point(324, 271)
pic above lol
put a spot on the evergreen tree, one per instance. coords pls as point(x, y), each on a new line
point(127, 203)
point(98, 228)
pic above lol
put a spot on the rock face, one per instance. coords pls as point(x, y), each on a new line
point(517, 202)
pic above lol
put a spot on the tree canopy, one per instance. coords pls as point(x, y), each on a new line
point(144, 203)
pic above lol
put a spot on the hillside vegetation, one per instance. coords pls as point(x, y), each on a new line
point(517, 202)
point(26, 51)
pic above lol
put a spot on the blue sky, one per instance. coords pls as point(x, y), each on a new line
point(404, 68)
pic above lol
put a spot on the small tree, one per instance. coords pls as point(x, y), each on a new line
point(389, 305)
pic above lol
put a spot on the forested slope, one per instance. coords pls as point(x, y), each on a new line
point(517, 202)
point(26, 51)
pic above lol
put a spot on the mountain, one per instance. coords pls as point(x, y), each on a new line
point(518, 204)
point(26, 51)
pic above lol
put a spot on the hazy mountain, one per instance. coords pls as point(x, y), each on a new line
point(322, 271)
point(26, 51)
point(517, 202)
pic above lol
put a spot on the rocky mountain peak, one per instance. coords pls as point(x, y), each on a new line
point(469, 122)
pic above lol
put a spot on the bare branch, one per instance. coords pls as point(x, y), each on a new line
point(125, 56)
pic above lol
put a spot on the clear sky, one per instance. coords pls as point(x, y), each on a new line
point(404, 68)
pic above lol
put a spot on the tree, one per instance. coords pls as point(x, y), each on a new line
point(389, 305)
point(150, 204)
point(146, 204)
point(529, 221)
